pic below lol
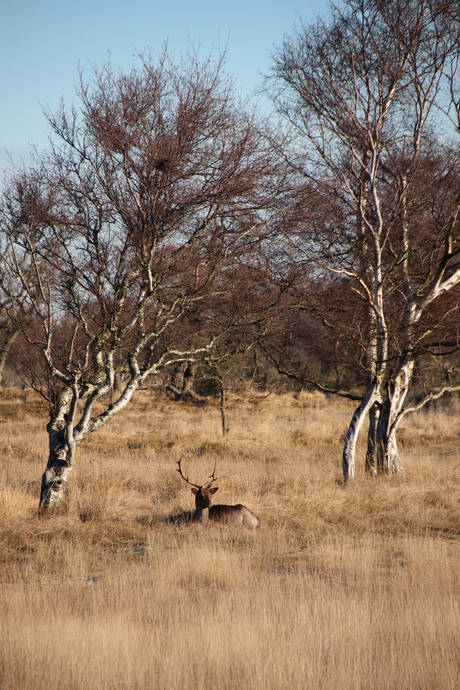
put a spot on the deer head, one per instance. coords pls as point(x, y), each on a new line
point(202, 493)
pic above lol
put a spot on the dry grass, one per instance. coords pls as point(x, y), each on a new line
point(341, 587)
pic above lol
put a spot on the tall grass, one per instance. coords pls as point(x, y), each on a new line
point(352, 586)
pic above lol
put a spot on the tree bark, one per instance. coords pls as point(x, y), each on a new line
point(223, 410)
point(371, 455)
point(60, 463)
point(61, 449)
point(386, 454)
point(183, 380)
point(382, 456)
point(351, 438)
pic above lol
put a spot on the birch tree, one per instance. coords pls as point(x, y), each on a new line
point(153, 185)
point(371, 96)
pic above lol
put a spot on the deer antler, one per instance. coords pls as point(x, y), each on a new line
point(212, 477)
point(185, 478)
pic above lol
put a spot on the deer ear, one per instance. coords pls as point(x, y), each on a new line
point(213, 490)
point(194, 491)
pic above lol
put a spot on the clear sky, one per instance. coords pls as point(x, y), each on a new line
point(42, 43)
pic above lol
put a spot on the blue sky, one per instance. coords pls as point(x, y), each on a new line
point(42, 43)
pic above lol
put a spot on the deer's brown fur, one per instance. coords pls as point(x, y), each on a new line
point(236, 516)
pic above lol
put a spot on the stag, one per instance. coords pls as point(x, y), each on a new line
point(236, 516)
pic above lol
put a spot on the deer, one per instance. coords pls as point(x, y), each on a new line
point(236, 516)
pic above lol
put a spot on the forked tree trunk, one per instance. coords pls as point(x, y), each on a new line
point(351, 438)
point(65, 434)
point(183, 380)
point(382, 456)
point(389, 461)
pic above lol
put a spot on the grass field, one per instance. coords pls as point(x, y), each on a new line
point(353, 586)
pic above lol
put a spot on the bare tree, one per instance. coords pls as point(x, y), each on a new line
point(372, 99)
point(158, 182)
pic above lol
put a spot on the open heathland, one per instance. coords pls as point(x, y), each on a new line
point(342, 586)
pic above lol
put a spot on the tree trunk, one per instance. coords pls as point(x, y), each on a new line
point(223, 410)
point(60, 462)
point(382, 457)
point(351, 438)
point(382, 449)
point(387, 460)
point(371, 455)
point(62, 446)
point(183, 380)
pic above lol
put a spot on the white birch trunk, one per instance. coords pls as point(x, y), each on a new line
point(61, 453)
point(351, 438)
point(383, 453)
point(60, 462)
